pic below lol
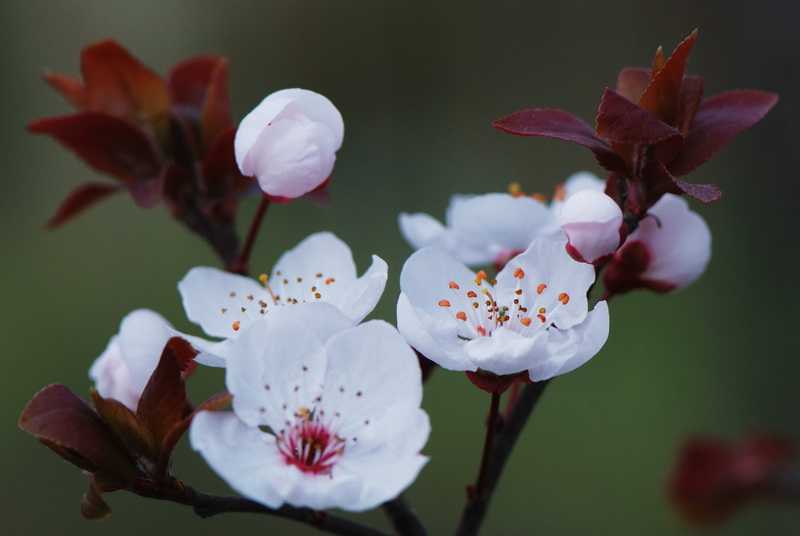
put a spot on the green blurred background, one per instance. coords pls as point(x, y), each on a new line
point(418, 85)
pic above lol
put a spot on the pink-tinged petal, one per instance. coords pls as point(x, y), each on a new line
point(80, 199)
point(505, 352)
point(318, 108)
point(561, 125)
point(719, 119)
point(621, 121)
point(591, 221)
point(112, 377)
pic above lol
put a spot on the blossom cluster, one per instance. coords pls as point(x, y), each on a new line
point(322, 409)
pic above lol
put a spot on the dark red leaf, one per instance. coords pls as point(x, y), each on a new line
point(66, 424)
point(691, 95)
point(188, 83)
point(219, 165)
point(561, 125)
point(632, 81)
point(108, 144)
point(70, 88)
point(621, 121)
point(719, 119)
point(80, 199)
point(119, 84)
point(163, 402)
point(707, 193)
point(663, 94)
point(659, 60)
point(216, 111)
point(125, 425)
point(215, 403)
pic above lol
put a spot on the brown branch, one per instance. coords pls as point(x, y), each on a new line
point(240, 265)
point(403, 518)
point(477, 503)
point(209, 505)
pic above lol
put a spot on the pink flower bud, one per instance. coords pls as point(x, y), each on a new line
point(289, 142)
point(592, 222)
point(669, 250)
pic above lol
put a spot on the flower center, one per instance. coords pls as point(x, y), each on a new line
point(481, 309)
point(283, 289)
point(309, 444)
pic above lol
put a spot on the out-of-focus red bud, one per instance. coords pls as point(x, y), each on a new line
point(713, 478)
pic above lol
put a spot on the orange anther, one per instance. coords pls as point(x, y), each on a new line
point(519, 273)
point(560, 192)
point(539, 197)
point(481, 331)
point(444, 303)
point(329, 281)
point(540, 288)
point(461, 315)
point(563, 298)
point(480, 276)
point(454, 285)
point(525, 321)
point(542, 310)
point(236, 325)
point(542, 318)
point(472, 294)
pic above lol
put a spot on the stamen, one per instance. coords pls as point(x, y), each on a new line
point(480, 277)
point(525, 321)
point(519, 273)
point(461, 315)
point(563, 298)
point(540, 288)
point(453, 285)
point(236, 325)
point(444, 303)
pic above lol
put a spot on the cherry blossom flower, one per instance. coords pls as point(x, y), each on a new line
point(592, 222)
point(480, 229)
point(289, 142)
point(577, 182)
point(534, 317)
point(325, 415)
point(125, 366)
point(669, 250)
point(318, 269)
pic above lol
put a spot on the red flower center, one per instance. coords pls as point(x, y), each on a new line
point(310, 446)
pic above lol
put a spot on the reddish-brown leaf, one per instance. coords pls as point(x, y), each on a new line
point(163, 402)
point(220, 171)
point(659, 60)
point(719, 119)
point(81, 198)
point(561, 125)
point(66, 424)
point(125, 425)
point(691, 95)
point(108, 144)
point(216, 110)
point(119, 84)
point(188, 83)
point(70, 88)
point(632, 81)
point(662, 95)
point(707, 193)
point(621, 121)
point(216, 403)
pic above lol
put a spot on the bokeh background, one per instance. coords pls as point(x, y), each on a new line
point(418, 85)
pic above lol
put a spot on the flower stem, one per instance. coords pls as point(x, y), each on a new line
point(491, 428)
point(403, 518)
point(240, 265)
point(478, 503)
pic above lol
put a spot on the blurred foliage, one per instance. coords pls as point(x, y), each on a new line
point(418, 85)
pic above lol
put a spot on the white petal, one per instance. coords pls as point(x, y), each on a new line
point(592, 221)
point(583, 180)
point(245, 457)
point(496, 223)
point(112, 378)
point(572, 349)
point(505, 352)
point(293, 155)
point(450, 356)
point(546, 262)
point(318, 108)
point(142, 337)
point(420, 229)
point(207, 292)
point(252, 125)
point(281, 360)
point(358, 299)
point(678, 239)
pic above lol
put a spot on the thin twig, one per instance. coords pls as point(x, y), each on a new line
point(491, 430)
point(209, 505)
point(477, 504)
point(403, 518)
point(240, 265)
